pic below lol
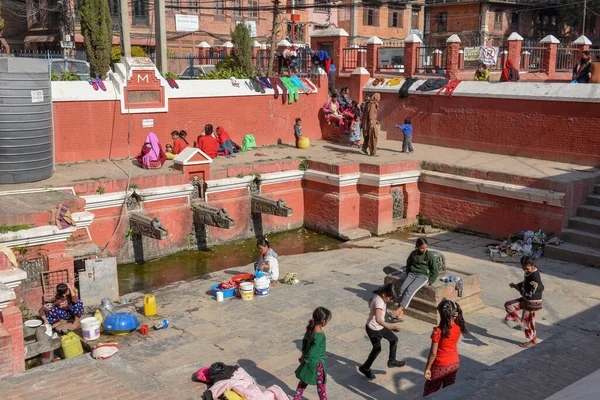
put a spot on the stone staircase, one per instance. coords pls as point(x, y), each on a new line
point(582, 238)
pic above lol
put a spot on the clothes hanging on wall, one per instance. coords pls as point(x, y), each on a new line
point(408, 82)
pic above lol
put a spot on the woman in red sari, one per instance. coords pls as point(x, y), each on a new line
point(152, 155)
point(207, 142)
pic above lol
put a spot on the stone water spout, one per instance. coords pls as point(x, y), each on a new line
point(212, 216)
point(146, 226)
point(262, 205)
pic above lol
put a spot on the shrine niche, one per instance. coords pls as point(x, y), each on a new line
point(141, 85)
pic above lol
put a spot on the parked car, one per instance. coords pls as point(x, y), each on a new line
point(81, 68)
point(198, 70)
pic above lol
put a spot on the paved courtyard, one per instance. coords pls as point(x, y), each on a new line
point(263, 336)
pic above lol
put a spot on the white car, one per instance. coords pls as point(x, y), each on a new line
point(196, 71)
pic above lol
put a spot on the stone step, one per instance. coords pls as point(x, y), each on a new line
point(589, 212)
point(581, 238)
point(597, 189)
point(585, 224)
point(573, 253)
point(593, 200)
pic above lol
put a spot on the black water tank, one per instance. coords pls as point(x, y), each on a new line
point(25, 120)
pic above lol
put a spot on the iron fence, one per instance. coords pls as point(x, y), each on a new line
point(351, 58)
point(74, 54)
point(595, 54)
point(565, 58)
point(431, 59)
point(532, 58)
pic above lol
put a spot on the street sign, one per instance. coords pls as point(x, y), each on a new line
point(67, 45)
point(472, 53)
point(489, 55)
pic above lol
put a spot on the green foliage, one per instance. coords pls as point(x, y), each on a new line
point(134, 186)
point(242, 50)
point(168, 75)
point(65, 76)
point(571, 13)
point(240, 175)
point(100, 190)
point(226, 73)
point(14, 228)
point(96, 27)
point(136, 51)
point(303, 166)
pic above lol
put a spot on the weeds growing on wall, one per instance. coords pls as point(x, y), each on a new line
point(14, 228)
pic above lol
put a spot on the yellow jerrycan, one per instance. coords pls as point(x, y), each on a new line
point(150, 305)
point(100, 318)
point(71, 345)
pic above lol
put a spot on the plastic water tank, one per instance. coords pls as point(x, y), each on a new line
point(25, 120)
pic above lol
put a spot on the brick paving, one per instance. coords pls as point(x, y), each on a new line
point(263, 335)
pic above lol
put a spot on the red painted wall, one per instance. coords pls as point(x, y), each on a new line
point(549, 130)
point(96, 130)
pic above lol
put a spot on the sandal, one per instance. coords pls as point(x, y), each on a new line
point(527, 345)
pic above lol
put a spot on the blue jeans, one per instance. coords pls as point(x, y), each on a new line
point(227, 145)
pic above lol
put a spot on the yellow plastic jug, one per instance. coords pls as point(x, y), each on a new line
point(150, 305)
point(98, 315)
point(303, 143)
point(71, 345)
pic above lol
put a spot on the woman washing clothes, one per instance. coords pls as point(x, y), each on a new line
point(152, 155)
point(267, 263)
point(66, 308)
point(207, 142)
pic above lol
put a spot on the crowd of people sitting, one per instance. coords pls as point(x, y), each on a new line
point(212, 142)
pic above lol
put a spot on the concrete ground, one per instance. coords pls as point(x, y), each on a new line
point(263, 335)
point(388, 150)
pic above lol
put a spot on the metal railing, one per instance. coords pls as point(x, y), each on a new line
point(565, 58)
point(532, 58)
point(431, 59)
point(76, 54)
point(351, 58)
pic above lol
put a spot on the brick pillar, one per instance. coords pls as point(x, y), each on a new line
point(526, 60)
point(581, 44)
point(437, 58)
point(461, 59)
point(412, 198)
point(550, 44)
point(337, 37)
point(373, 46)
point(362, 58)
point(411, 54)
point(452, 49)
point(12, 320)
point(359, 78)
point(514, 49)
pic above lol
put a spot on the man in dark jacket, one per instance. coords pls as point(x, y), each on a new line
point(583, 69)
point(421, 269)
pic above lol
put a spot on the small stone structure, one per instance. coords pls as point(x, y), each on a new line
point(146, 226)
point(424, 305)
point(212, 216)
point(262, 205)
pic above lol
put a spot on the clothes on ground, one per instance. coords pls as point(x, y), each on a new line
point(271, 259)
point(63, 309)
point(370, 125)
point(423, 264)
point(151, 156)
point(482, 76)
point(376, 303)
point(408, 82)
point(208, 144)
point(524, 243)
point(219, 371)
point(447, 353)
point(312, 354)
point(375, 336)
point(433, 84)
point(413, 282)
point(321, 387)
point(527, 319)
point(441, 377)
point(509, 73)
point(354, 132)
point(64, 219)
point(244, 385)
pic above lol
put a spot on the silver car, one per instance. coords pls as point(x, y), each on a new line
point(81, 68)
point(198, 70)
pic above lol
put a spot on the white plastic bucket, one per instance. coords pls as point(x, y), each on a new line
point(90, 328)
point(247, 291)
point(262, 286)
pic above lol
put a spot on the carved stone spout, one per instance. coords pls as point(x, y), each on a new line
point(146, 226)
point(212, 216)
point(262, 205)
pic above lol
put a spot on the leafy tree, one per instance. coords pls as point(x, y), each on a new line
point(1, 20)
point(572, 14)
point(242, 50)
point(96, 27)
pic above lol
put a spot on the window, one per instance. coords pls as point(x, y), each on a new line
point(220, 7)
point(174, 3)
point(414, 22)
point(140, 13)
point(442, 21)
point(115, 8)
point(236, 5)
point(514, 21)
point(395, 18)
point(498, 20)
point(320, 6)
point(253, 9)
point(371, 17)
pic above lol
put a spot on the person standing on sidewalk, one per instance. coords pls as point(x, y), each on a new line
point(421, 269)
point(443, 362)
point(531, 290)
point(378, 329)
point(370, 126)
point(407, 141)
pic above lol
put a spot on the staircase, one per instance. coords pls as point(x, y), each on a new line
point(582, 238)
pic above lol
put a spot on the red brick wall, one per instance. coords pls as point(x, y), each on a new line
point(549, 130)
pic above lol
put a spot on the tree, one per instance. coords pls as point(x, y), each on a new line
point(96, 27)
point(571, 14)
point(274, 32)
point(242, 50)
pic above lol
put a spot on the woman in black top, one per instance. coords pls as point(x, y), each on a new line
point(531, 290)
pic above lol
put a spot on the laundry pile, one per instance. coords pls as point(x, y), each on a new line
point(524, 243)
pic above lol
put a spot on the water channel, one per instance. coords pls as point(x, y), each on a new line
point(187, 265)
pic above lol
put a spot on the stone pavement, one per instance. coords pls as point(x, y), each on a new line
point(263, 336)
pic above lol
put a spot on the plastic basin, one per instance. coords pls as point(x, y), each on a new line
point(237, 279)
point(226, 293)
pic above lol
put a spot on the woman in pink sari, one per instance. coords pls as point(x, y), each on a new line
point(151, 156)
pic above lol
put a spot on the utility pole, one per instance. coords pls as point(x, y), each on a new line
point(125, 36)
point(354, 23)
point(275, 28)
point(583, 24)
point(160, 33)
